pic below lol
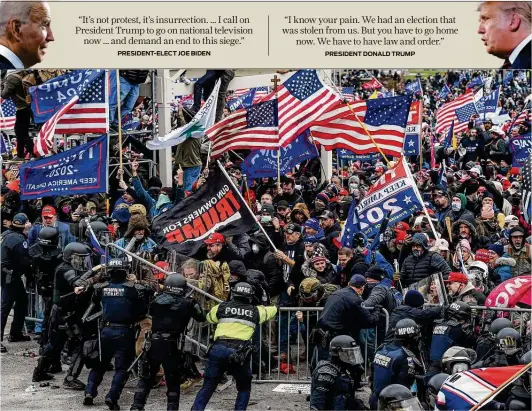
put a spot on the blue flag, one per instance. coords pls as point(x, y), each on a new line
point(477, 81)
point(129, 123)
point(442, 177)
point(263, 163)
point(351, 226)
point(411, 145)
point(445, 91)
point(347, 155)
point(508, 78)
point(414, 86)
point(489, 103)
point(449, 139)
point(81, 170)
point(521, 149)
point(3, 147)
point(247, 99)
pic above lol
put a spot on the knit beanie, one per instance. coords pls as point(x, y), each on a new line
point(497, 248)
point(323, 197)
point(414, 298)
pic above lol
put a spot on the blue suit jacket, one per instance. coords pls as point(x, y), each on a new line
point(523, 60)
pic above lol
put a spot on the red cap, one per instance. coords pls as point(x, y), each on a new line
point(48, 211)
point(482, 255)
point(458, 278)
point(159, 275)
point(215, 238)
point(400, 237)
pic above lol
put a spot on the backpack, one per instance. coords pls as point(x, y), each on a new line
point(214, 279)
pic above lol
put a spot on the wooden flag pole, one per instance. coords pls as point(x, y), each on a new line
point(275, 80)
point(360, 122)
point(119, 115)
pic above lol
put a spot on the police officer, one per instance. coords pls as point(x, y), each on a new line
point(398, 397)
point(45, 257)
point(124, 304)
point(65, 316)
point(395, 362)
point(486, 341)
point(457, 359)
point(170, 312)
point(231, 351)
point(455, 330)
point(521, 393)
point(433, 388)
point(15, 263)
point(332, 386)
point(507, 350)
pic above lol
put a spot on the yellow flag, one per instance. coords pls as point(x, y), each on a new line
point(374, 95)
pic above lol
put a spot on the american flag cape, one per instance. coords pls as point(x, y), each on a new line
point(385, 119)
point(8, 112)
point(459, 110)
point(75, 102)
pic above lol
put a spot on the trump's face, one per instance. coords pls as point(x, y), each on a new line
point(495, 28)
point(35, 34)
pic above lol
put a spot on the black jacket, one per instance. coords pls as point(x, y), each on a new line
point(415, 269)
point(330, 234)
point(5, 64)
point(422, 317)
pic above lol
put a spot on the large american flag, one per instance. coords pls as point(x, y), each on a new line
point(302, 99)
point(459, 110)
point(527, 189)
point(85, 112)
point(8, 112)
point(384, 118)
point(255, 127)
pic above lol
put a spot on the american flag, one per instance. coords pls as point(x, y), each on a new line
point(255, 127)
point(302, 100)
point(260, 93)
point(384, 118)
point(527, 189)
point(8, 112)
point(524, 116)
point(459, 110)
point(85, 112)
point(347, 93)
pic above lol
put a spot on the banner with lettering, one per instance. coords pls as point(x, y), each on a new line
point(521, 149)
point(413, 130)
point(81, 170)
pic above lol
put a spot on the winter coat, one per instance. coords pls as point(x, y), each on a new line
point(330, 234)
point(502, 270)
point(381, 294)
point(65, 236)
point(471, 295)
point(476, 241)
point(415, 269)
point(328, 276)
point(302, 207)
point(522, 259)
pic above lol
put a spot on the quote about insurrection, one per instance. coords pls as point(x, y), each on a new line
point(364, 35)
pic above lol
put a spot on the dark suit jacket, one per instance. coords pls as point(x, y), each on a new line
point(523, 58)
point(5, 64)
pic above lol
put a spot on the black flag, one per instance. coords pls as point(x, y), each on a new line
point(215, 207)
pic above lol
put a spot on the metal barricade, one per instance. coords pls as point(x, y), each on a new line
point(514, 314)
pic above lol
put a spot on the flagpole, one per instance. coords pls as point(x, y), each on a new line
point(119, 116)
point(222, 169)
point(359, 122)
point(418, 195)
point(311, 138)
point(420, 135)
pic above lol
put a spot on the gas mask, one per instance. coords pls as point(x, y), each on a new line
point(456, 206)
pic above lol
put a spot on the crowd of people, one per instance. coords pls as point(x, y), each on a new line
point(409, 295)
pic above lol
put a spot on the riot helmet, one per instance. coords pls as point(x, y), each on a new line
point(407, 330)
point(243, 291)
point(457, 359)
point(433, 388)
point(346, 350)
point(78, 256)
point(101, 232)
point(460, 310)
point(48, 237)
point(310, 291)
point(118, 268)
point(508, 340)
point(175, 284)
point(397, 397)
point(527, 377)
point(498, 324)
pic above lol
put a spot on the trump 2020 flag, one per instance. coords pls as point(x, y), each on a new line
point(521, 149)
point(215, 207)
point(414, 86)
point(394, 192)
point(263, 163)
point(72, 103)
point(247, 99)
point(8, 113)
point(445, 91)
point(80, 170)
point(196, 128)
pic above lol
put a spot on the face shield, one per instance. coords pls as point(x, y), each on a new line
point(81, 262)
point(412, 404)
point(351, 355)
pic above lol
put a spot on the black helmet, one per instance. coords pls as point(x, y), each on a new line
point(311, 290)
point(101, 231)
point(48, 237)
point(457, 359)
point(398, 397)
point(118, 268)
point(346, 350)
point(460, 310)
point(527, 377)
point(175, 284)
point(498, 324)
point(433, 388)
point(508, 340)
point(407, 330)
point(78, 256)
point(243, 291)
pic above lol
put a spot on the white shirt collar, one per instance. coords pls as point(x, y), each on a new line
point(520, 47)
point(12, 57)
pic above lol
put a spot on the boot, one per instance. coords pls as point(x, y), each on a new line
point(88, 400)
point(40, 375)
point(73, 384)
point(113, 405)
point(55, 368)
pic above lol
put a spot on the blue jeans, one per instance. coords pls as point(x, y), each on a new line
point(129, 93)
point(117, 342)
point(217, 364)
point(190, 175)
point(204, 86)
